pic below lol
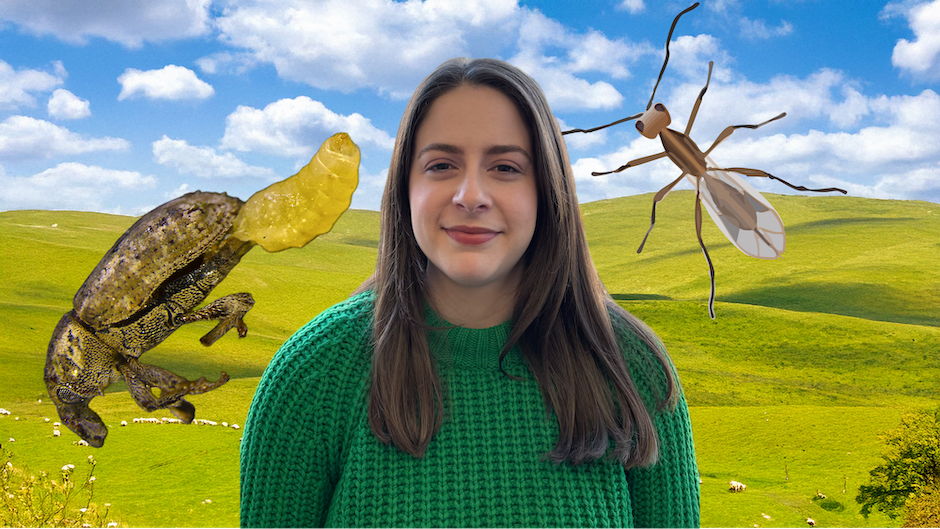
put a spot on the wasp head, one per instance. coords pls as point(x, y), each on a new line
point(653, 121)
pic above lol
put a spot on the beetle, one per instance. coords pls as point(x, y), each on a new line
point(150, 282)
point(744, 216)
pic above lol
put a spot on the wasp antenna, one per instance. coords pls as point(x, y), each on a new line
point(603, 126)
point(666, 61)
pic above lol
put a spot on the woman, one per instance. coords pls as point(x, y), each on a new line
point(482, 376)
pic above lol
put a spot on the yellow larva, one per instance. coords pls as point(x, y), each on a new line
point(293, 212)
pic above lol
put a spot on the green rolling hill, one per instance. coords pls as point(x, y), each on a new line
point(811, 356)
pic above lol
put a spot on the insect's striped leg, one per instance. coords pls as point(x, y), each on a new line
point(632, 163)
point(698, 102)
point(659, 196)
point(729, 130)
point(698, 232)
point(757, 172)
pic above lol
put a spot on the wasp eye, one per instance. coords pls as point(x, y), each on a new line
point(639, 126)
point(660, 107)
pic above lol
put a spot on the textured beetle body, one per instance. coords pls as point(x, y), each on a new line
point(145, 287)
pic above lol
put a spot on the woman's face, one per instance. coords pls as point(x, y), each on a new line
point(472, 189)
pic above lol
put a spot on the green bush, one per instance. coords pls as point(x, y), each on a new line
point(42, 500)
point(909, 478)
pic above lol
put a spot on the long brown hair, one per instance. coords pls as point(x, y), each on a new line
point(561, 318)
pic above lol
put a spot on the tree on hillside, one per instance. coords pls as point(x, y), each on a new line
point(908, 481)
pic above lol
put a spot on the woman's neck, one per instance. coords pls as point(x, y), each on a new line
point(476, 307)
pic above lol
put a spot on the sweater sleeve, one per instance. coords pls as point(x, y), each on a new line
point(665, 494)
point(293, 435)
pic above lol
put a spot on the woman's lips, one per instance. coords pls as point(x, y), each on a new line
point(471, 235)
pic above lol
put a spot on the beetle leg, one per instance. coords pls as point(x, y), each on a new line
point(229, 310)
point(141, 378)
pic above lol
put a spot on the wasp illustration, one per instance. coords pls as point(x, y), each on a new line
point(742, 214)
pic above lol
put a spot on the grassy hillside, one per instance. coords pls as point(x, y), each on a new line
point(810, 358)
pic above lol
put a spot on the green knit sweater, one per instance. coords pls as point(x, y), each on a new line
point(309, 458)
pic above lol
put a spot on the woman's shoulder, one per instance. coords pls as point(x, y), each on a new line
point(644, 353)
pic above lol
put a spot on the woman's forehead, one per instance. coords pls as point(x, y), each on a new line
point(472, 117)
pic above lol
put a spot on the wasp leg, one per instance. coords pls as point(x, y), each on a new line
point(729, 130)
point(659, 196)
point(757, 172)
point(142, 378)
point(698, 102)
point(229, 310)
point(633, 163)
point(711, 269)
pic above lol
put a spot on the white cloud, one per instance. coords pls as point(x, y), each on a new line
point(632, 6)
point(592, 52)
point(170, 82)
point(382, 44)
point(227, 62)
point(71, 186)
point(66, 105)
point(17, 87)
point(23, 137)
point(758, 30)
point(128, 22)
point(390, 46)
point(920, 57)
point(296, 127)
point(204, 162)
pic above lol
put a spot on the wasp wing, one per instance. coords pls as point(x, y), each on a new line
point(745, 217)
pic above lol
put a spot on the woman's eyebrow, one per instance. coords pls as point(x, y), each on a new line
point(494, 149)
point(502, 149)
point(443, 147)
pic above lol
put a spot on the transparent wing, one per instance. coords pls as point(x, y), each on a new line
point(745, 217)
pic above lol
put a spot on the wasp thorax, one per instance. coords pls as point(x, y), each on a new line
point(653, 121)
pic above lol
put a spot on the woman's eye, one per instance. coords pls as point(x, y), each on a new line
point(503, 168)
point(440, 166)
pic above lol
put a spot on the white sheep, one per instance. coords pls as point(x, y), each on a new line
point(56, 433)
point(4, 411)
point(811, 522)
point(123, 423)
point(737, 486)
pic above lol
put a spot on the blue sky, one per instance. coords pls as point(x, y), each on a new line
point(118, 105)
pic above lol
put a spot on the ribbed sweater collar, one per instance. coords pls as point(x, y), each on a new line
point(466, 348)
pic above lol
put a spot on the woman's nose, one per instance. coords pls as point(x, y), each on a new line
point(471, 194)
